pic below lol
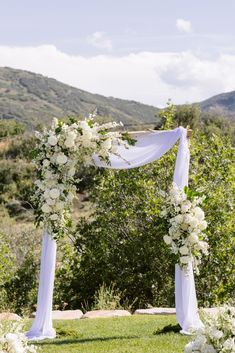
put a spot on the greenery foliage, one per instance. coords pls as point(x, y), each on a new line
point(121, 241)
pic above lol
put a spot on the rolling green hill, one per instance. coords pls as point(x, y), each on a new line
point(32, 99)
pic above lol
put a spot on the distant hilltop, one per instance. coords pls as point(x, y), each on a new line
point(34, 99)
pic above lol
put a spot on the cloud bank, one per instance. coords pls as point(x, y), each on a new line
point(99, 40)
point(148, 77)
point(183, 25)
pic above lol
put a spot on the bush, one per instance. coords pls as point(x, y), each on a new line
point(123, 244)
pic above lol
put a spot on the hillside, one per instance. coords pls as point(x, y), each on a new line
point(33, 99)
point(222, 103)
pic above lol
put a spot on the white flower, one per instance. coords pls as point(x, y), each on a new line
point(48, 174)
point(61, 158)
point(69, 143)
point(107, 144)
point(185, 259)
point(54, 193)
point(46, 163)
point(199, 214)
point(167, 239)
point(54, 217)
point(184, 250)
point(52, 140)
point(178, 218)
point(59, 205)
point(199, 342)
point(71, 172)
point(46, 208)
point(188, 348)
point(50, 202)
point(229, 343)
point(185, 206)
point(203, 225)
point(216, 334)
point(54, 123)
point(70, 196)
point(193, 238)
point(209, 349)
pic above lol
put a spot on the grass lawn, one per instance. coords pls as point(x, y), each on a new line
point(134, 334)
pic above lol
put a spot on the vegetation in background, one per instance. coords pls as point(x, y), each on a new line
point(121, 241)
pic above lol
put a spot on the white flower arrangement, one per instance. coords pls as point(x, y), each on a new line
point(60, 150)
point(217, 336)
point(12, 340)
point(185, 221)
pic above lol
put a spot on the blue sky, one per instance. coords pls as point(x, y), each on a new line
point(143, 50)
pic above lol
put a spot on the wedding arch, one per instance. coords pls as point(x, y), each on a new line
point(59, 150)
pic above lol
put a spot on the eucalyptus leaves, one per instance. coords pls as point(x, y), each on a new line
point(60, 150)
point(185, 222)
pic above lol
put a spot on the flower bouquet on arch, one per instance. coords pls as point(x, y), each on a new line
point(218, 334)
point(185, 221)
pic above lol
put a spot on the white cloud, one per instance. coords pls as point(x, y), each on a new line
point(149, 77)
point(99, 40)
point(183, 25)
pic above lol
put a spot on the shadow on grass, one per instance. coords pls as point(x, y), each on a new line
point(82, 340)
point(168, 329)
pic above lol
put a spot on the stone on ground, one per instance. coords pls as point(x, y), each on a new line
point(66, 314)
point(9, 316)
point(105, 313)
point(155, 311)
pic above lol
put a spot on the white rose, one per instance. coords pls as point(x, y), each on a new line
point(52, 140)
point(193, 238)
point(46, 163)
point(216, 334)
point(199, 213)
point(107, 144)
point(59, 205)
point(167, 239)
point(203, 225)
point(71, 172)
point(48, 175)
point(184, 226)
point(54, 217)
point(54, 193)
point(229, 343)
point(46, 193)
point(46, 208)
point(183, 250)
point(178, 218)
point(70, 196)
point(61, 159)
point(188, 348)
point(50, 202)
point(38, 183)
point(185, 206)
point(54, 123)
point(69, 143)
point(199, 342)
point(185, 259)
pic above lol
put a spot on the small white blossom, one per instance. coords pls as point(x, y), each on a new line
point(61, 158)
point(54, 193)
point(52, 140)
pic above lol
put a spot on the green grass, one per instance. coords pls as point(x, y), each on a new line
point(135, 334)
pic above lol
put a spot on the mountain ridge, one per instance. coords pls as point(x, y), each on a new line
point(35, 99)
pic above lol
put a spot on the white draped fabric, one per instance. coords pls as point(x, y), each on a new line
point(148, 148)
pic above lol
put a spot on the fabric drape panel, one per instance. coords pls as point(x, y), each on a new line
point(148, 148)
point(42, 326)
